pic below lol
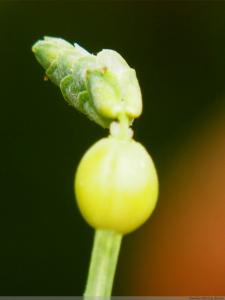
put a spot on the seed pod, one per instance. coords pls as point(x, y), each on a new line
point(101, 86)
point(116, 185)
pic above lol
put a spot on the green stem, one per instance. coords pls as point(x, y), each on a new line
point(103, 263)
point(124, 126)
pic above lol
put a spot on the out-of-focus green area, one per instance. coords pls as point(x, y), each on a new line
point(178, 51)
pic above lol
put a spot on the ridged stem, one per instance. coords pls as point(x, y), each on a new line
point(103, 263)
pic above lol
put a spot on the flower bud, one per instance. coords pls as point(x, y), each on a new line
point(102, 86)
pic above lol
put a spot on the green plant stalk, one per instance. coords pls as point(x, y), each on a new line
point(103, 263)
point(106, 90)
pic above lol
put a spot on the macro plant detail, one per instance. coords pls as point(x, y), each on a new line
point(116, 183)
point(101, 86)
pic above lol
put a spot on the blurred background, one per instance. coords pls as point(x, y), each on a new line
point(178, 51)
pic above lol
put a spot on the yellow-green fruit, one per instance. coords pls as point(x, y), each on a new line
point(116, 185)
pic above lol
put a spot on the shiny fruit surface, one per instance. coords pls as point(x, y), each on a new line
point(116, 185)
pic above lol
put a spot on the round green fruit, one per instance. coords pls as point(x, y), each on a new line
point(116, 185)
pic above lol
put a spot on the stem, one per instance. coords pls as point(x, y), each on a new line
point(103, 263)
point(124, 126)
point(121, 129)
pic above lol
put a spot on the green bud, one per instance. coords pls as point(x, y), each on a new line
point(125, 80)
point(105, 92)
point(103, 87)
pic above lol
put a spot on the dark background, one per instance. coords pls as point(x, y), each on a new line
point(178, 51)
